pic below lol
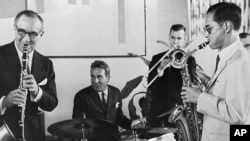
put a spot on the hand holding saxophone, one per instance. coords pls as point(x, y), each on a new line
point(190, 94)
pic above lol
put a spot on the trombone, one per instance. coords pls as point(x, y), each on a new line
point(177, 58)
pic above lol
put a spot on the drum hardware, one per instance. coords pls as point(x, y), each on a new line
point(166, 113)
point(132, 134)
point(83, 133)
point(143, 133)
point(85, 129)
point(136, 134)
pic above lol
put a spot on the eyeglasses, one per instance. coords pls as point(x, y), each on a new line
point(209, 29)
point(21, 32)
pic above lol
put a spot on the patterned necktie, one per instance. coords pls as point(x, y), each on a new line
point(217, 62)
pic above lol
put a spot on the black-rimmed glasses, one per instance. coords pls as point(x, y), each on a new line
point(21, 32)
point(209, 29)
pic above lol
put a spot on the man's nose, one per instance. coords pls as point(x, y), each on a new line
point(26, 37)
point(95, 80)
point(175, 41)
point(206, 34)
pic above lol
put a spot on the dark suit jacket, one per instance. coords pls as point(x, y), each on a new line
point(165, 91)
point(88, 101)
point(10, 69)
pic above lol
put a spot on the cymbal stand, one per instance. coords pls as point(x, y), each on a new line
point(135, 133)
point(83, 133)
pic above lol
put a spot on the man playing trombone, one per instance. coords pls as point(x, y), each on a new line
point(165, 81)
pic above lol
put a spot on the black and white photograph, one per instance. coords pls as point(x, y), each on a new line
point(124, 70)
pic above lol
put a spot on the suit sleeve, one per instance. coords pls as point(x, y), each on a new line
point(122, 120)
point(230, 100)
point(49, 100)
point(79, 106)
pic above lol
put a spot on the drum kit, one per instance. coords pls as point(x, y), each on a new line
point(99, 129)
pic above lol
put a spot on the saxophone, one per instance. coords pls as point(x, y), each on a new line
point(186, 118)
point(5, 133)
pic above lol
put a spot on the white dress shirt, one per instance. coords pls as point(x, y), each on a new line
point(105, 94)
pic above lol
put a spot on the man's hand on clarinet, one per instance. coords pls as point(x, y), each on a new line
point(15, 97)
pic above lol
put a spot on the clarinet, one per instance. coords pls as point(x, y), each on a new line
point(24, 72)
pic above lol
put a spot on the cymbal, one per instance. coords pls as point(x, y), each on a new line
point(161, 130)
point(72, 128)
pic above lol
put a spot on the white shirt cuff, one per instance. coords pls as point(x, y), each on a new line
point(38, 97)
point(2, 110)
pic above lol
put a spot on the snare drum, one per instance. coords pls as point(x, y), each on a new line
point(165, 137)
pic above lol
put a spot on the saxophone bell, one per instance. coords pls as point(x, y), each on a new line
point(176, 113)
point(5, 133)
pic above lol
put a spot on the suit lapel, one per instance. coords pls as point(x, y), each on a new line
point(97, 99)
point(36, 68)
point(110, 100)
point(13, 60)
point(221, 67)
point(217, 73)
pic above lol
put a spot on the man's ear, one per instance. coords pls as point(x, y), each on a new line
point(228, 27)
point(41, 34)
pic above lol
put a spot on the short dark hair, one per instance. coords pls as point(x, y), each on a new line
point(28, 13)
point(226, 11)
point(177, 27)
point(101, 64)
point(244, 35)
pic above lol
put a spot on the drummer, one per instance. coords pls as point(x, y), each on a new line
point(101, 100)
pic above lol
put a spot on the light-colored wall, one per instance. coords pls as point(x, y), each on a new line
point(72, 74)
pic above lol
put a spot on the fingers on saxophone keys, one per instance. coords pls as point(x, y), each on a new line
point(184, 95)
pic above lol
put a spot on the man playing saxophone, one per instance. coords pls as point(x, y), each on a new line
point(226, 101)
point(39, 82)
